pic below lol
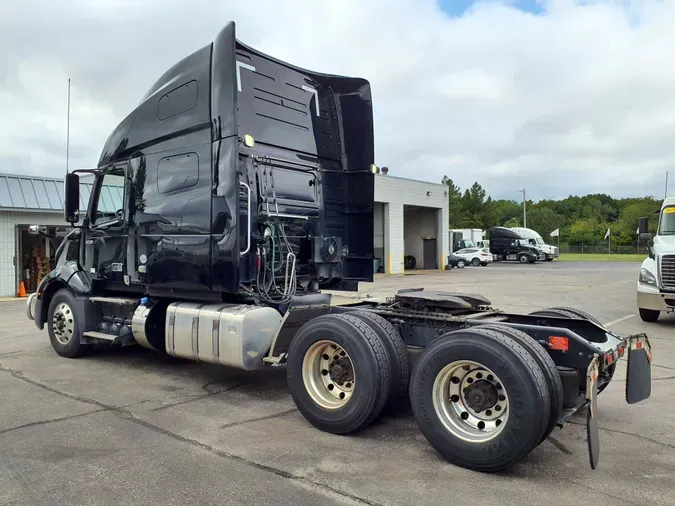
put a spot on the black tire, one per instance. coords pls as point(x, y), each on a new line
point(556, 313)
point(523, 258)
point(73, 348)
point(648, 315)
point(545, 363)
point(370, 361)
point(580, 313)
point(520, 376)
point(475, 262)
point(549, 259)
point(461, 264)
point(397, 353)
point(410, 262)
point(571, 312)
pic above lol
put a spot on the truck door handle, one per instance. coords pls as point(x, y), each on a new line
point(248, 219)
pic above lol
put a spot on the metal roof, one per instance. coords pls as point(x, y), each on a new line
point(43, 194)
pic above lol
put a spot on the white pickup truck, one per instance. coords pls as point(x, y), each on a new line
point(656, 281)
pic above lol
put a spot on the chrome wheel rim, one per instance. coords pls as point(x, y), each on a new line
point(63, 323)
point(470, 401)
point(328, 374)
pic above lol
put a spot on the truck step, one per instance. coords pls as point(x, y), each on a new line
point(99, 335)
point(115, 300)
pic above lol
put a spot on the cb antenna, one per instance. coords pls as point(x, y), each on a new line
point(68, 130)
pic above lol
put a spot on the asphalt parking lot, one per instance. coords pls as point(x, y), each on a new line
point(125, 426)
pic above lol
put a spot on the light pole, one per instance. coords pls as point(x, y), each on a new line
point(665, 196)
point(524, 209)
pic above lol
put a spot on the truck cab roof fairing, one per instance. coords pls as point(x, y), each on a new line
point(222, 63)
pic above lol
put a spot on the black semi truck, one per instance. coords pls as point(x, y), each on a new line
point(228, 202)
point(506, 244)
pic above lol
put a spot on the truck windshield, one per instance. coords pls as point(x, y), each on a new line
point(667, 224)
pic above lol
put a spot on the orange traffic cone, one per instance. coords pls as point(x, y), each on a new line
point(22, 290)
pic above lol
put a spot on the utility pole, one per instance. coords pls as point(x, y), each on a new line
point(524, 209)
point(666, 192)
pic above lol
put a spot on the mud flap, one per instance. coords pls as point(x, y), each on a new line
point(639, 374)
point(592, 432)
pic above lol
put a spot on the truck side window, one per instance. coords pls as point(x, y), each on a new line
point(177, 172)
point(110, 202)
point(72, 252)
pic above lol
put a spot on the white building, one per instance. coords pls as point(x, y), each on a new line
point(410, 221)
point(26, 201)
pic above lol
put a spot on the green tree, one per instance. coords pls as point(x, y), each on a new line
point(475, 205)
point(455, 205)
point(625, 230)
point(502, 211)
point(544, 220)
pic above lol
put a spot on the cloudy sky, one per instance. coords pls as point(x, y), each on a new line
point(558, 96)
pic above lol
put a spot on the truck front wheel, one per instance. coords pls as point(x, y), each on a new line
point(648, 315)
point(63, 326)
point(480, 399)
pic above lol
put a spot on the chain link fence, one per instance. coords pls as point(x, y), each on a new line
point(603, 249)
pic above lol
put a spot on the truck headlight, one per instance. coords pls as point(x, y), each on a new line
point(647, 278)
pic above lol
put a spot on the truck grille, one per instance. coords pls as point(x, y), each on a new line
point(668, 271)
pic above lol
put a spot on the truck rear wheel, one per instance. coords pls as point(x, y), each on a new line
point(480, 399)
point(571, 312)
point(547, 365)
point(63, 326)
point(580, 313)
point(397, 352)
point(338, 372)
point(555, 312)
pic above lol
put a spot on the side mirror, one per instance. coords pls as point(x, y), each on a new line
point(643, 225)
point(72, 198)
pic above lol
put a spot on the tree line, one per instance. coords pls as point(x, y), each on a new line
point(580, 220)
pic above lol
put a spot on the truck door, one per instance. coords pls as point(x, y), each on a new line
point(106, 236)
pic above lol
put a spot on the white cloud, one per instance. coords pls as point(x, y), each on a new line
point(577, 100)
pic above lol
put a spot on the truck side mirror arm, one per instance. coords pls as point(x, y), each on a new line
point(647, 238)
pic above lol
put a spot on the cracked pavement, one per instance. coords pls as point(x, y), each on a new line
point(126, 426)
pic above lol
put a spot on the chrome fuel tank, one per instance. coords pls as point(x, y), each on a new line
point(235, 335)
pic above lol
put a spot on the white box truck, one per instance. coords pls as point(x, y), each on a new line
point(461, 238)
